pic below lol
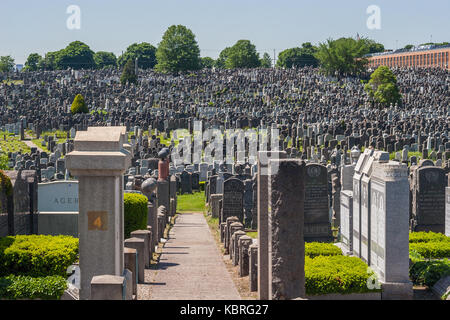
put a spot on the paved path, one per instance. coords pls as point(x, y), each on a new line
point(31, 144)
point(191, 266)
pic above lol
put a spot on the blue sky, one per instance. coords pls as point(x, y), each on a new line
point(111, 25)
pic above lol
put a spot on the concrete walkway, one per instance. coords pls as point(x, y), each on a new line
point(191, 266)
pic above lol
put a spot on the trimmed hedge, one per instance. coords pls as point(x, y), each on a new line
point(26, 287)
point(428, 272)
point(422, 236)
point(431, 250)
point(337, 274)
point(79, 105)
point(135, 213)
point(37, 255)
point(314, 249)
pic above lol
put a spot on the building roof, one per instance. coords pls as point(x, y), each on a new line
point(414, 49)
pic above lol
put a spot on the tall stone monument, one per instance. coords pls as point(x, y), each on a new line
point(99, 161)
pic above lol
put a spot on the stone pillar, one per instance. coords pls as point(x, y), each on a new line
point(244, 243)
point(389, 228)
point(151, 248)
point(229, 221)
point(346, 223)
point(173, 193)
point(152, 220)
point(161, 222)
point(253, 267)
point(139, 245)
point(108, 287)
point(215, 198)
point(131, 263)
point(263, 232)
point(99, 161)
point(234, 254)
point(285, 227)
point(144, 235)
point(447, 211)
point(222, 231)
point(162, 194)
point(232, 228)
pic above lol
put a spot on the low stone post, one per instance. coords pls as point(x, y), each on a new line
point(222, 231)
point(139, 245)
point(144, 235)
point(253, 267)
point(161, 223)
point(108, 287)
point(235, 226)
point(244, 244)
point(235, 249)
point(131, 263)
point(229, 221)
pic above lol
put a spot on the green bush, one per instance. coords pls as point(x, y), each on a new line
point(78, 105)
point(135, 213)
point(428, 272)
point(337, 274)
point(37, 255)
point(202, 185)
point(431, 250)
point(314, 249)
point(427, 237)
point(26, 287)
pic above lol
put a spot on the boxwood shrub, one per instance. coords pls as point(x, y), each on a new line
point(337, 274)
point(37, 255)
point(135, 213)
point(314, 249)
point(422, 236)
point(428, 272)
point(26, 287)
point(431, 250)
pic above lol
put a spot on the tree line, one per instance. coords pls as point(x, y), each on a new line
point(178, 51)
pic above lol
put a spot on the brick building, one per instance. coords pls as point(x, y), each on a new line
point(422, 57)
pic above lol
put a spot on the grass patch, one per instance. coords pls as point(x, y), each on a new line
point(253, 234)
point(14, 82)
point(194, 202)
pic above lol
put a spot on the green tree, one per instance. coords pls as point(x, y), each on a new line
point(128, 73)
point(372, 46)
point(266, 61)
point(6, 64)
point(220, 62)
point(242, 55)
point(298, 57)
point(49, 61)
point(105, 59)
point(344, 56)
point(76, 55)
point(33, 62)
point(79, 105)
point(207, 62)
point(382, 87)
point(178, 50)
point(408, 47)
point(144, 52)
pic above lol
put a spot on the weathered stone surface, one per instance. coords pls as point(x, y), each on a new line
point(244, 243)
point(286, 206)
point(263, 220)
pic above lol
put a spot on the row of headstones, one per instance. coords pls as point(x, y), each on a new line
point(374, 219)
point(49, 167)
point(282, 221)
